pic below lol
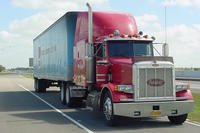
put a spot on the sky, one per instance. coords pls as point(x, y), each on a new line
point(22, 20)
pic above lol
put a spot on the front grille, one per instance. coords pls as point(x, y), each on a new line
point(155, 83)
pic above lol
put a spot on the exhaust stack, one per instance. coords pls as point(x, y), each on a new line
point(90, 57)
point(90, 18)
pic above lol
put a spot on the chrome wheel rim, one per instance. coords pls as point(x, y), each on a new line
point(107, 108)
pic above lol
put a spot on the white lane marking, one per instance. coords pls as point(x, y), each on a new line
point(57, 110)
point(192, 123)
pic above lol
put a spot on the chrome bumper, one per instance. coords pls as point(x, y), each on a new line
point(153, 109)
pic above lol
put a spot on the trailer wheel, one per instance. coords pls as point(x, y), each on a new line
point(63, 93)
point(108, 110)
point(36, 84)
point(177, 119)
point(41, 85)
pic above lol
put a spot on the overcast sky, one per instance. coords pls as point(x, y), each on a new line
point(23, 20)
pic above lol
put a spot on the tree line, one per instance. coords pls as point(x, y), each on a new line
point(2, 68)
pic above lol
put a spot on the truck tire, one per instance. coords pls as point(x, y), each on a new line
point(108, 110)
point(63, 93)
point(69, 99)
point(39, 85)
point(42, 85)
point(177, 119)
point(36, 84)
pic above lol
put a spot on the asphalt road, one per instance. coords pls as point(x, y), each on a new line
point(24, 111)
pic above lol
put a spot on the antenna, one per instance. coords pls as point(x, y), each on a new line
point(165, 24)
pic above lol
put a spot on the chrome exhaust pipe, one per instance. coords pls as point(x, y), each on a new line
point(90, 18)
point(90, 57)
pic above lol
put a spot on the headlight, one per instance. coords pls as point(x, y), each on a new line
point(181, 87)
point(125, 88)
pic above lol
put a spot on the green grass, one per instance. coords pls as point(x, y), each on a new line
point(4, 73)
point(28, 75)
point(195, 115)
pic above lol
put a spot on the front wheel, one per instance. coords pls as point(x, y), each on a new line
point(108, 110)
point(178, 119)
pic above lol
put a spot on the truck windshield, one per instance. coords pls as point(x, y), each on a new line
point(129, 48)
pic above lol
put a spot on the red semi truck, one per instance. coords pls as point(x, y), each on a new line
point(100, 58)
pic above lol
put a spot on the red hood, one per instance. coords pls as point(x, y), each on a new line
point(121, 69)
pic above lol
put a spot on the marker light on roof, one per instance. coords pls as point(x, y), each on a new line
point(111, 35)
point(130, 35)
point(136, 35)
point(122, 35)
point(145, 36)
point(140, 33)
point(153, 38)
point(116, 33)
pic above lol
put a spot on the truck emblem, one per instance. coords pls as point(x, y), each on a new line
point(155, 65)
point(155, 82)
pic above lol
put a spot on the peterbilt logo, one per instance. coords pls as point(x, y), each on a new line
point(155, 65)
point(155, 82)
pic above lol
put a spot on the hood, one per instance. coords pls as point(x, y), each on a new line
point(125, 61)
point(121, 70)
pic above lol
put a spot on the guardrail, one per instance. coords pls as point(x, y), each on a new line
point(187, 75)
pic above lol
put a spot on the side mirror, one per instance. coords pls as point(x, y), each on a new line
point(165, 49)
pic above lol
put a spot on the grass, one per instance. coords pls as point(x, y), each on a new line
point(195, 115)
point(28, 75)
point(4, 73)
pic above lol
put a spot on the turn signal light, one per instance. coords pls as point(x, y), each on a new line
point(116, 88)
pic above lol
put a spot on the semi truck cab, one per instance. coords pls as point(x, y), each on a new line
point(135, 83)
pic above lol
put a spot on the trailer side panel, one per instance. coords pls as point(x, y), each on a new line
point(53, 50)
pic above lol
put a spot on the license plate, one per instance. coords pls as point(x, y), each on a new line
point(155, 113)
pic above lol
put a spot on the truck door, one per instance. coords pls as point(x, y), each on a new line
point(101, 64)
